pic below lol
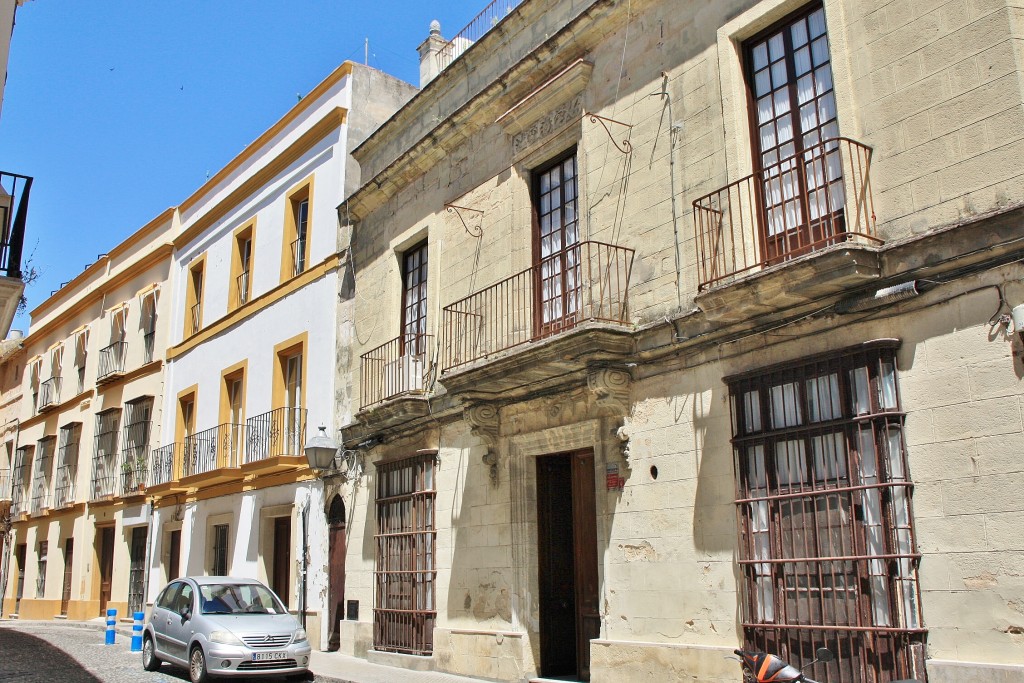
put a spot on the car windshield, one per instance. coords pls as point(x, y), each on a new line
point(238, 598)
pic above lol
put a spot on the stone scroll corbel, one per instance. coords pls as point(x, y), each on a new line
point(483, 424)
point(610, 387)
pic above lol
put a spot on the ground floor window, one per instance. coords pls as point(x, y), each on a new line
point(827, 545)
point(220, 550)
point(404, 610)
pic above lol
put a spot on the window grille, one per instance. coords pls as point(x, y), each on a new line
point(828, 553)
point(220, 550)
point(104, 460)
point(67, 464)
point(43, 474)
point(44, 547)
point(404, 609)
point(135, 445)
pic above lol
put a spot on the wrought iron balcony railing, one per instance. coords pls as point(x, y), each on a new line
point(162, 464)
point(816, 198)
point(18, 499)
point(242, 287)
point(49, 393)
point(212, 449)
point(64, 487)
point(275, 433)
point(112, 360)
point(14, 195)
point(298, 256)
point(134, 469)
point(475, 30)
point(399, 366)
point(589, 281)
point(5, 484)
point(104, 475)
point(40, 495)
point(195, 317)
point(148, 347)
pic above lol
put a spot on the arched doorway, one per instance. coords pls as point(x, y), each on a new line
point(336, 569)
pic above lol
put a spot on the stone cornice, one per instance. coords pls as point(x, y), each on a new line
point(536, 66)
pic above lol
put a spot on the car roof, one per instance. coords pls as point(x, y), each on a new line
point(208, 580)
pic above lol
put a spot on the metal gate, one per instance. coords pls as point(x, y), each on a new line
point(137, 571)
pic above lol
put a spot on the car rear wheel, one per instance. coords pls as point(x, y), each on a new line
point(197, 666)
point(150, 662)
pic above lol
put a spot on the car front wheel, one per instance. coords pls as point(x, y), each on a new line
point(150, 662)
point(197, 666)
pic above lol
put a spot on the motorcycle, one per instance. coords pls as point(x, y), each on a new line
point(764, 667)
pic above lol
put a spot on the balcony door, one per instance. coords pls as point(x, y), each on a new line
point(556, 253)
point(794, 123)
point(235, 388)
point(293, 403)
point(105, 554)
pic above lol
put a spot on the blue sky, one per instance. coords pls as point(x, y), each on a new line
point(121, 108)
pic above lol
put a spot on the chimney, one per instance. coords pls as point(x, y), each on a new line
point(430, 49)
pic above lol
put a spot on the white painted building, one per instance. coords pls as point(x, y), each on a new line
point(250, 364)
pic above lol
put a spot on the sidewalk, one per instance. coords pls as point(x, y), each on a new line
point(332, 666)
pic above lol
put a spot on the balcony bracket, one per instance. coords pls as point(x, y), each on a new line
point(457, 210)
point(610, 387)
point(626, 147)
point(483, 420)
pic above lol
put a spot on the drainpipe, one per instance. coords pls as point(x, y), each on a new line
point(304, 512)
point(149, 558)
point(672, 129)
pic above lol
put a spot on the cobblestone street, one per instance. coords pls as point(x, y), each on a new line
point(41, 652)
point(48, 652)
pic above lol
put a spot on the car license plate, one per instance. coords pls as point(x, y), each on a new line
point(268, 656)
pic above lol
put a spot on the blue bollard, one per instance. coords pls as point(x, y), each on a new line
point(111, 622)
point(137, 631)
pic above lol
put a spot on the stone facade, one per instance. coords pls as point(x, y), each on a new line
point(653, 98)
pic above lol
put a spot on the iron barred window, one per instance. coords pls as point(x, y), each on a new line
point(404, 609)
point(104, 458)
point(827, 546)
point(220, 550)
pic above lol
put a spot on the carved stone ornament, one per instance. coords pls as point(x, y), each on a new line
point(610, 388)
point(483, 424)
point(550, 124)
point(622, 433)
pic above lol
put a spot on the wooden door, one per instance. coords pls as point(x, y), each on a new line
point(567, 556)
point(281, 578)
point(584, 532)
point(106, 566)
point(69, 553)
point(19, 554)
point(336, 570)
point(174, 555)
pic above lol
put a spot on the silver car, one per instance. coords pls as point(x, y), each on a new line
point(224, 626)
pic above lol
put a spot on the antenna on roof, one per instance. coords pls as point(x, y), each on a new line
point(366, 53)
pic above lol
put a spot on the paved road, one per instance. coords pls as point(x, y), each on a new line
point(48, 652)
point(65, 652)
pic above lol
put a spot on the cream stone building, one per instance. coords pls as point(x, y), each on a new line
point(678, 327)
point(91, 372)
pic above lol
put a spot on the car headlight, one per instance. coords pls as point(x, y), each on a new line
point(300, 635)
point(224, 638)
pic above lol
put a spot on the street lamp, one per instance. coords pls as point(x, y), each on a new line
point(323, 454)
